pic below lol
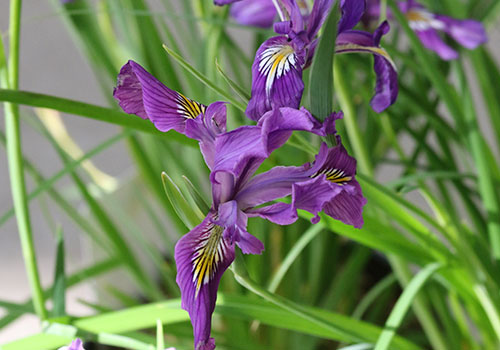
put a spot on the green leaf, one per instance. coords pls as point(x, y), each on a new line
point(321, 75)
point(229, 97)
point(236, 88)
point(184, 210)
point(87, 110)
point(403, 305)
point(59, 287)
point(202, 204)
point(160, 342)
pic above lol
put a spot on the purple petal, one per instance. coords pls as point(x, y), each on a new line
point(258, 13)
point(278, 125)
point(468, 33)
point(386, 87)
point(222, 3)
point(276, 77)
point(347, 206)
point(352, 11)
point(140, 93)
point(75, 345)
point(431, 40)
point(205, 129)
point(235, 222)
point(319, 13)
point(278, 213)
point(202, 256)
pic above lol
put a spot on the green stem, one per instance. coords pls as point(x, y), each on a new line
point(304, 240)
point(15, 163)
point(485, 181)
point(352, 126)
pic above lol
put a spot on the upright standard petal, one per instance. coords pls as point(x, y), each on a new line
point(138, 92)
point(386, 88)
point(276, 77)
point(257, 13)
point(352, 11)
point(202, 256)
point(319, 12)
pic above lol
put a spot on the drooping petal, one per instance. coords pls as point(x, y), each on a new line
point(328, 184)
point(202, 256)
point(140, 93)
point(386, 88)
point(276, 77)
point(205, 129)
point(352, 11)
point(258, 13)
point(468, 33)
point(431, 40)
point(347, 206)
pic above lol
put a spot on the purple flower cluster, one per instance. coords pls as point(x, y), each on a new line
point(327, 184)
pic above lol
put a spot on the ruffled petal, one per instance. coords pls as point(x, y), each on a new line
point(276, 77)
point(138, 92)
point(202, 256)
point(257, 13)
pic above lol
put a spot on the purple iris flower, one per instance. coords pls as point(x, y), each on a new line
point(427, 25)
point(206, 251)
point(279, 62)
point(138, 92)
point(75, 345)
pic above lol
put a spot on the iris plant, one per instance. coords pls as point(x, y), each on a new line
point(427, 25)
point(233, 157)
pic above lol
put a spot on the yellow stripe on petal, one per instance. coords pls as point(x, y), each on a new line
point(208, 254)
point(276, 61)
point(334, 175)
point(348, 48)
point(188, 108)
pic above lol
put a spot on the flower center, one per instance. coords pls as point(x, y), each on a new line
point(419, 19)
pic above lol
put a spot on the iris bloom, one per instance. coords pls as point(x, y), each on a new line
point(280, 60)
point(427, 25)
point(207, 250)
point(75, 345)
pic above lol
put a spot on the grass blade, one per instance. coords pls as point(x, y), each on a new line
point(403, 305)
point(204, 79)
point(87, 110)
